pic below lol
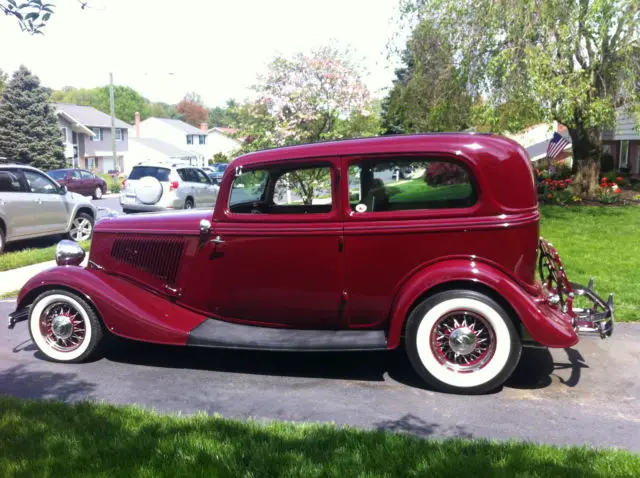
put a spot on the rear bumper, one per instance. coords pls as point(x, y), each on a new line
point(597, 319)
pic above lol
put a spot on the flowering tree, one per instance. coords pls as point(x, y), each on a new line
point(308, 95)
point(193, 110)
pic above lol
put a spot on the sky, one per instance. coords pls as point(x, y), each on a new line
point(164, 49)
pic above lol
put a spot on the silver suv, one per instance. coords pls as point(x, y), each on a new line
point(34, 205)
point(161, 186)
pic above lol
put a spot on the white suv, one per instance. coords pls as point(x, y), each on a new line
point(34, 205)
point(161, 186)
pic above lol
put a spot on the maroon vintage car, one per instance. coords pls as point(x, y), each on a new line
point(429, 242)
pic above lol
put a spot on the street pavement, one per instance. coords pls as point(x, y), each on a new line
point(583, 395)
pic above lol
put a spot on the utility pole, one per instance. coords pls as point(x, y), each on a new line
point(113, 122)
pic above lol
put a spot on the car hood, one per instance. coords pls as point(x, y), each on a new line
point(165, 223)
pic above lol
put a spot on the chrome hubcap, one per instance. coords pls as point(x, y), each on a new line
point(463, 341)
point(62, 327)
point(98, 192)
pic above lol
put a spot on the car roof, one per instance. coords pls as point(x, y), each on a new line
point(18, 166)
point(160, 164)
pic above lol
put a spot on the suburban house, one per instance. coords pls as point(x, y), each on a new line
point(535, 139)
point(86, 134)
point(152, 149)
point(221, 140)
point(175, 132)
point(623, 142)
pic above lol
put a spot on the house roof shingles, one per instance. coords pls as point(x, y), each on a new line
point(186, 127)
point(89, 116)
point(162, 147)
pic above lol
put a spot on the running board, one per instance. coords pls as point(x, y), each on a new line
point(220, 334)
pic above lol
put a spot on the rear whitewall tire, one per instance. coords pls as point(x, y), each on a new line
point(93, 326)
point(428, 360)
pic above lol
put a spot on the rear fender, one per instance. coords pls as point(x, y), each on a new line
point(125, 309)
point(545, 325)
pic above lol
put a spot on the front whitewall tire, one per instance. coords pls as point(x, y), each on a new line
point(92, 326)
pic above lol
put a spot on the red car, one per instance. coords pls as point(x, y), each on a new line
point(324, 247)
point(80, 181)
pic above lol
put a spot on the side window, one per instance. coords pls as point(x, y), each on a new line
point(202, 177)
point(183, 174)
point(248, 187)
point(308, 187)
point(86, 175)
point(408, 184)
point(38, 183)
point(9, 182)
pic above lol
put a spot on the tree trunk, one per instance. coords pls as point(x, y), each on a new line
point(587, 150)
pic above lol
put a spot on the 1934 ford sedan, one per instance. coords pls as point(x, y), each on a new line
point(429, 242)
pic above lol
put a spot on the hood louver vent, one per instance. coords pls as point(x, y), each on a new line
point(158, 257)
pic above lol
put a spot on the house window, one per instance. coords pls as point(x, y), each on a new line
point(64, 133)
point(202, 139)
point(606, 149)
point(98, 134)
point(624, 154)
point(91, 163)
point(119, 135)
point(189, 139)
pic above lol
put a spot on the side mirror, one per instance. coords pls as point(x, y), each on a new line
point(63, 190)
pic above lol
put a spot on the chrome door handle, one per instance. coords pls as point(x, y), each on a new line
point(217, 240)
point(38, 201)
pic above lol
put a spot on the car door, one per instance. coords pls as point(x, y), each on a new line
point(49, 213)
point(207, 190)
point(16, 207)
point(89, 181)
point(274, 260)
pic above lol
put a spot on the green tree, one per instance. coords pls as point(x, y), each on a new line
point(3, 80)
point(29, 129)
point(224, 116)
point(31, 15)
point(429, 92)
point(576, 61)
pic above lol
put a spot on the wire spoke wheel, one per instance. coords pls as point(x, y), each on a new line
point(463, 341)
point(63, 327)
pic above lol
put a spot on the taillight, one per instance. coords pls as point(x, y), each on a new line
point(173, 185)
point(124, 181)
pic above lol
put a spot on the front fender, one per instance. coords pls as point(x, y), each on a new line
point(544, 324)
point(126, 309)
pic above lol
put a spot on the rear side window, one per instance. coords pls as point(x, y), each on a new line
point(139, 172)
point(409, 184)
point(9, 182)
point(57, 175)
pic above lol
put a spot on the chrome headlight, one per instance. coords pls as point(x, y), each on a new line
point(69, 253)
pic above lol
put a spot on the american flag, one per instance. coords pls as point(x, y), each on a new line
point(556, 145)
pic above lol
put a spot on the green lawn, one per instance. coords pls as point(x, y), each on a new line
point(26, 257)
point(600, 242)
point(417, 190)
point(85, 440)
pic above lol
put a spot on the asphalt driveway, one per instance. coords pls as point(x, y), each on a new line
point(584, 395)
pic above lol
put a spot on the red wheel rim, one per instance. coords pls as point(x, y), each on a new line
point(463, 341)
point(62, 327)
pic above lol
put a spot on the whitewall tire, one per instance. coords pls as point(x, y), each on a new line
point(64, 326)
point(462, 341)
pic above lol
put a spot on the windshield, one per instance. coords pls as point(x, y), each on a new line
point(58, 174)
point(220, 168)
point(139, 172)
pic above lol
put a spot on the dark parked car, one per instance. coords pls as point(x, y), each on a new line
point(319, 248)
point(216, 172)
point(80, 181)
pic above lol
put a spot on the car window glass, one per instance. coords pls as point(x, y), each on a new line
point(39, 183)
point(57, 175)
point(202, 177)
point(86, 175)
point(76, 174)
point(248, 187)
point(9, 182)
point(308, 187)
point(139, 172)
point(403, 184)
point(183, 174)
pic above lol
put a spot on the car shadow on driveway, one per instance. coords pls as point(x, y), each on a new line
point(534, 370)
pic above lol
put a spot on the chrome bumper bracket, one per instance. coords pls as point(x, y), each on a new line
point(595, 320)
point(18, 316)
